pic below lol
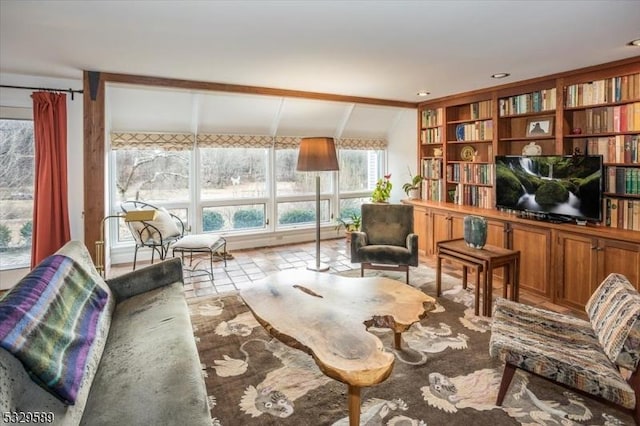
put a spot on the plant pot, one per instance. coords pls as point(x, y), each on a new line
point(414, 194)
point(475, 231)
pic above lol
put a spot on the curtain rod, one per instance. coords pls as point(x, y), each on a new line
point(47, 89)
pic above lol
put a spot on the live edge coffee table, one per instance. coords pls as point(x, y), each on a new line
point(327, 316)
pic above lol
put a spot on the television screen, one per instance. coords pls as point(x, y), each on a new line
point(554, 185)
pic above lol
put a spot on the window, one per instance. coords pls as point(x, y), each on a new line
point(16, 191)
point(234, 183)
point(359, 171)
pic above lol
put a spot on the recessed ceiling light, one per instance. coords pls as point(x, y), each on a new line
point(500, 75)
point(635, 42)
point(424, 93)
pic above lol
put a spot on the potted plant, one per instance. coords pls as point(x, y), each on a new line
point(412, 188)
point(350, 224)
point(382, 191)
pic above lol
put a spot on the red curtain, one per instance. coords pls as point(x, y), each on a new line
point(50, 209)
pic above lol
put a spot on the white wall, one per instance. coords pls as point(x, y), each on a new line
point(402, 152)
point(22, 99)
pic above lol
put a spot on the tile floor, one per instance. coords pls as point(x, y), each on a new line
point(251, 265)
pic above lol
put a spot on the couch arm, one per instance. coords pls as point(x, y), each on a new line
point(358, 240)
point(145, 279)
point(412, 246)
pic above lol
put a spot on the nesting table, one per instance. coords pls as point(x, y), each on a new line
point(484, 261)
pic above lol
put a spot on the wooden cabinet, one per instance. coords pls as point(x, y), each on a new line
point(534, 243)
point(420, 228)
point(584, 261)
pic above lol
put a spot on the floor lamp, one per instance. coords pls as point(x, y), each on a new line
point(317, 155)
point(131, 216)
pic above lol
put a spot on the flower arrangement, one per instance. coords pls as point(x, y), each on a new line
point(382, 191)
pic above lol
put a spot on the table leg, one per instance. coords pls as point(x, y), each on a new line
point(397, 340)
point(354, 405)
point(477, 290)
point(488, 289)
point(438, 278)
point(507, 280)
point(464, 277)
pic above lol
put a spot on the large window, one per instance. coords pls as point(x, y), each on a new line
point(16, 192)
point(235, 184)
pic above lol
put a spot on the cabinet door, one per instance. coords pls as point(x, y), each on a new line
point(620, 257)
point(440, 228)
point(420, 228)
point(496, 233)
point(534, 244)
point(576, 266)
point(456, 226)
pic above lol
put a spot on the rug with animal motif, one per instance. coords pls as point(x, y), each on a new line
point(442, 376)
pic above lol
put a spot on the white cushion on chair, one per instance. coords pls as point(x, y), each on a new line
point(166, 225)
point(197, 241)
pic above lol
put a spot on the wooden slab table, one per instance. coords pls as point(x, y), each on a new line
point(327, 316)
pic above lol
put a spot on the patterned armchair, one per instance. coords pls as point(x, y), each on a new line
point(588, 356)
point(387, 240)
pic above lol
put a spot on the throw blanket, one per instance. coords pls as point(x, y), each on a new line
point(49, 322)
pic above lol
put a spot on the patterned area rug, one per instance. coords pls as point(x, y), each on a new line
point(442, 376)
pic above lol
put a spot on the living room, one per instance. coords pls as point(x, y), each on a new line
point(353, 82)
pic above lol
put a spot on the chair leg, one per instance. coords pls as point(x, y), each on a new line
point(407, 274)
point(135, 256)
point(361, 270)
point(507, 375)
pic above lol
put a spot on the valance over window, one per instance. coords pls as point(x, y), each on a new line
point(185, 141)
point(148, 140)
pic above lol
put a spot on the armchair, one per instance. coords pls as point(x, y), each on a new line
point(157, 234)
point(386, 240)
point(589, 356)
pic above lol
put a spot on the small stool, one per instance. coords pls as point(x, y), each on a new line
point(201, 243)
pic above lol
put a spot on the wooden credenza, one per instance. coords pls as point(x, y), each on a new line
point(561, 263)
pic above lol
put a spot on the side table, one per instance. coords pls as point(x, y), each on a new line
point(484, 261)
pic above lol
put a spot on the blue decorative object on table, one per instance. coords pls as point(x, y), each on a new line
point(475, 231)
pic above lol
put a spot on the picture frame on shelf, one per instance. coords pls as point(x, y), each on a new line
point(539, 126)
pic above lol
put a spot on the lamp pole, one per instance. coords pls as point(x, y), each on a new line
point(320, 267)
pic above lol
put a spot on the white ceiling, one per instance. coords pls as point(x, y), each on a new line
point(379, 49)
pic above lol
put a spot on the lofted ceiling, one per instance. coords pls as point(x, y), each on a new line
point(383, 49)
point(386, 49)
point(144, 109)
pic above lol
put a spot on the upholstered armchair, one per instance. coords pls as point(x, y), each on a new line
point(599, 357)
point(386, 240)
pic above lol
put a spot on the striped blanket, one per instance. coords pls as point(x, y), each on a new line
point(49, 322)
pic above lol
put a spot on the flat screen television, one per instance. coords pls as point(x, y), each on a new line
point(551, 186)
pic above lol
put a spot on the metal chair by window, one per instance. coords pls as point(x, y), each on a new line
point(157, 234)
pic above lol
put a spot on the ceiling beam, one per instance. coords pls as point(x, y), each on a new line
point(254, 90)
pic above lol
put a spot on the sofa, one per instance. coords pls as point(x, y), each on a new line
point(76, 349)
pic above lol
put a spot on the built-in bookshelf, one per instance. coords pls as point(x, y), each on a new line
point(431, 152)
point(602, 117)
point(469, 153)
point(582, 112)
point(526, 122)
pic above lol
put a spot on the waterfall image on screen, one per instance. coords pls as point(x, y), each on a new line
point(557, 185)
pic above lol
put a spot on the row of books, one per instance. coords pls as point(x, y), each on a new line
point(623, 180)
point(616, 89)
point(481, 174)
point(431, 135)
point(542, 100)
point(621, 118)
point(480, 109)
point(622, 213)
point(478, 131)
point(478, 196)
point(616, 149)
point(432, 168)
point(432, 190)
point(432, 117)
